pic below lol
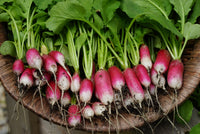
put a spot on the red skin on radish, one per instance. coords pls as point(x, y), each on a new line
point(116, 77)
point(142, 75)
point(18, 67)
point(53, 93)
point(34, 59)
point(88, 112)
point(175, 74)
point(75, 83)
point(58, 57)
point(145, 57)
point(49, 64)
point(63, 78)
point(134, 85)
point(26, 78)
point(74, 117)
point(99, 108)
point(66, 99)
point(103, 87)
point(162, 61)
point(86, 90)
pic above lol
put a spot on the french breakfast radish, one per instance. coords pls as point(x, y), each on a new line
point(18, 67)
point(88, 112)
point(103, 87)
point(74, 116)
point(134, 85)
point(34, 59)
point(86, 90)
point(145, 57)
point(65, 99)
point(26, 80)
point(162, 61)
point(49, 64)
point(60, 59)
point(99, 108)
point(158, 79)
point(53, 93)
point(175, 74)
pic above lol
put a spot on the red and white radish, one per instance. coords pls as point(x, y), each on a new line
point(88, 112)
point(75, 83)
point(26, 80)
point(99, 108)
point(63, 78)
point(145, 57)
point(142, 75)
point(49, 64)
point(53, 93)
point(60, 59)
point(34, 59)
point(86, 91)
point(65, 99)
point(152, 89)
point(162, 61)
point(18, 67)
point(74, 116)
point(134, 85)
point(158, 80)
point(103, 87)
point(175, 74)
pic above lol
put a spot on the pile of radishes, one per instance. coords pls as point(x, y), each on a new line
point(106, 92)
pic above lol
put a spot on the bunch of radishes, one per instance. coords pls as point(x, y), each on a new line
point(142, 80)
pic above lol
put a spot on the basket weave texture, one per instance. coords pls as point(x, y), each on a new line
point(191, 60)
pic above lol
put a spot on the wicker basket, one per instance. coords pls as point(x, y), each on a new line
point(191, 60)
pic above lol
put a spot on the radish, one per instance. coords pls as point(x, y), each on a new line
point(34, 59)
point(74, 116)
point(99, 108)
point(60, 59)
point(142, 75)
point(134, 85)
point(49, 64)
point(103, 87)
point(63, 79)
point(175, 74)
point(26, 80)
point(158, 80)
point(162, 61)
point(145, 57)
point(65, 99)
point(18, 67)
point(152, 89)
point(86, 90)
point(52, 93)
point(88, 112)
point(116, 77)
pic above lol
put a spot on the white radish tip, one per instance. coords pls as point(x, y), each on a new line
point(146, 61)
point(63, 83)
point(139, 97)
point(107, 99)
point(88, 112)
point(85, 96)
point(175, 83)
point(75, 86)
point(74, 120)
point(99, 109)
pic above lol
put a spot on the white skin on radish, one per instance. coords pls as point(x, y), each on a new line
point(128, 101)
point(84, 96)
point(65, 101)
point(147, 63)
point(99, 109)
point(63, 84)
point(74, 120)
point(26, 81)
point(88, 112)
point(139, 97)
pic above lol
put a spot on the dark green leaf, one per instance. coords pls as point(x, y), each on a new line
point(157, 10)
point(42, 4)
point(64, 12)
point(195, 129)
point(185, 111)
point(195, 12)
point(80, 41)
point(4, 1)
point(106, 8)
point(182, 7)
point(8, 48)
